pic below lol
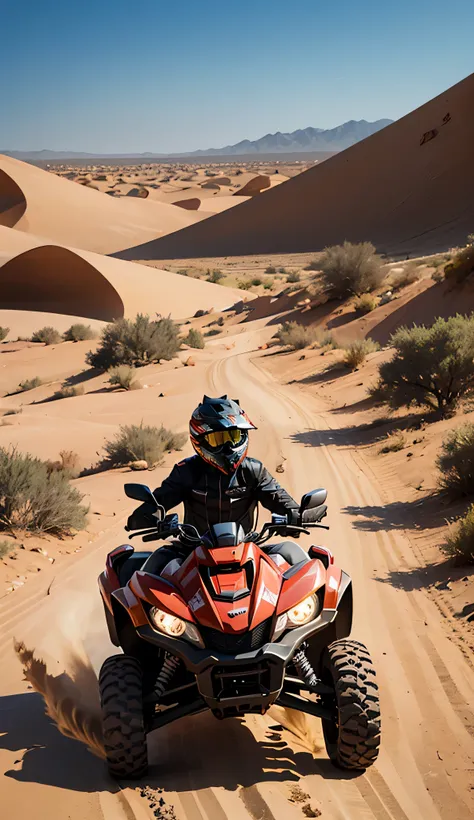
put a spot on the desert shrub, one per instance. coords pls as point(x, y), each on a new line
point(293, 276)
point(256, 281)
point(270, 269)
point(34, 499)
point(350, 270)
point(29, 384)
point(48, 335)
point(393, 443)
point(244, 284)
point(402, 278)
point(216, 276)
point(268, 285)
point(136, 342)
point(432, 366)
point(5, 548)
point(313, 265)
point(296, 336)
point(79, 333)
point(220, 321)
point(325, 339)
point(438, 275)
point(214, 332)
point(182, 272)
point(355, 353)
point(68, 464)
point(194, 339)
point(365, 303)
point(124, 376)
point(139, 442)
point(4, 331)
point(456, 461)
point(459, 542)
point(68, 391)
point(462, 264)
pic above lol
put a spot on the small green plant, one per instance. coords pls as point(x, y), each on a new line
point(139, 442)
point(124, 376)
point(296, 336)
point(5, 548)
point(293, 277)
point(138, 342)
point(365, 303)
point(393, 443)
point(459, 542)
point(215, 276)
point(68, 391)
point(79, 333)
point(194, 339)
point(4, 331)
point(356, 352)
point(350, 269)
point(47, 335)
point(455, 461)
point(268, 285)
point(256, 281)
point(270, 269)
point(29, 384)
point(34, 499)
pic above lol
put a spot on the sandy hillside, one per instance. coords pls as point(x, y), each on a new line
point(407, 188)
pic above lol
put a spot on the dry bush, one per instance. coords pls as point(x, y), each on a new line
point(293, 276)
point(68, 464)
point(459, 542)
point(139, 442)
point(432, 366)
point(393, 443)
point(462, 265)
point(296, 336)
point(314, 265)
point(195, 339)
point(29, 384)
point(325, 339)
point(79, 333)
point(34, 499)
point(355, 353)
point(456, 461)
point(365, 303)
point(270, 269)
point(136, 343)
point(350, 269)
point(5, 548)
point(215, 276)
point(4, 331)
point(124, 376)
point(68, 391)
point(48, 335)
point(408, 276)
point(438, 275)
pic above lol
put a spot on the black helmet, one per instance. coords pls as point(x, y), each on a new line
point(219, 433)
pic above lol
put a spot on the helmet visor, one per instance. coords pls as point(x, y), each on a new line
point(218, 438)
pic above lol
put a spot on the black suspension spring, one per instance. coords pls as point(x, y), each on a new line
point(166, 675)
point(304, 668)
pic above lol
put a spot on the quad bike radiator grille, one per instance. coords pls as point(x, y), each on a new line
point(233, 644)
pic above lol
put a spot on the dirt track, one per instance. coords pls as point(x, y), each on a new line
point(211, 770)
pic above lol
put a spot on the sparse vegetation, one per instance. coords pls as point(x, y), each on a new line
point(124, 376)
point(135, 343)
point(195, 339)
point(326, 340)
point(293, 277)
point(29, 384)
point(356, 352)
point(394, 442)
point(365, 303)
point(350, 269)
point(456, 461)
point(68, 464)
point(139, 442)
point(402, 278)
point(79, 333)
point(270, 269)
point(314, 265)
point(438, 275)
point(462, 264)
point(47, 335)
point(4, 331)
point(256, 281)
point(5, 548)
point(215, 276)
point(459, 542)
point(432, 366)
point(296, 336)
point(68, 391)
point(34, 499)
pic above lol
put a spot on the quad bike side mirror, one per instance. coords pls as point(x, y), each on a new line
point(315, 498)
point(140, 492)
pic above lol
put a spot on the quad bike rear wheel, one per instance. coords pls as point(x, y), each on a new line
point(121, 695)
point(352, 737)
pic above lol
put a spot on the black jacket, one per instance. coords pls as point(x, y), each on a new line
point(204, 491)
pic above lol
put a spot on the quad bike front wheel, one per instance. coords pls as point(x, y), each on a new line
point(352, 736)
point(121, 696)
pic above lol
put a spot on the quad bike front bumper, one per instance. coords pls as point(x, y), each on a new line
point(231, 685)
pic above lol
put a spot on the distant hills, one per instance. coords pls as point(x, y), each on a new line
point(302, 140)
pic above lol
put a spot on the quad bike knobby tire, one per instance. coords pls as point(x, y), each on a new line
point(353, 736)
point(121, 696)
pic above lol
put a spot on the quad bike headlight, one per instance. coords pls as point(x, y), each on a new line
point(298, 615)
point(168, 624)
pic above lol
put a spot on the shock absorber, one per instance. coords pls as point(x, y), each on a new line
point(166, 675)
point(304, 668)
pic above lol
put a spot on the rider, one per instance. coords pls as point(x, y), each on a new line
point(220, 483)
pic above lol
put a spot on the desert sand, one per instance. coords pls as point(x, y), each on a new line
point(408, 189)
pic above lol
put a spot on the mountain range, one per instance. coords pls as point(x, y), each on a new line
point(302, 140)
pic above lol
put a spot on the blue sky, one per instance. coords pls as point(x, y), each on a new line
point(146, 75)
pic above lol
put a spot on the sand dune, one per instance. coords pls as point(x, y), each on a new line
point(35, 201)
point(254, 186)
point(407, 188)
point(54, 279)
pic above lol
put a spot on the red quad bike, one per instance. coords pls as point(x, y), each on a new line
point(233, 630)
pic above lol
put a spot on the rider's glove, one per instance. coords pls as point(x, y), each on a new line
point(142, 517)
point(294, 517)
point(313, 516)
